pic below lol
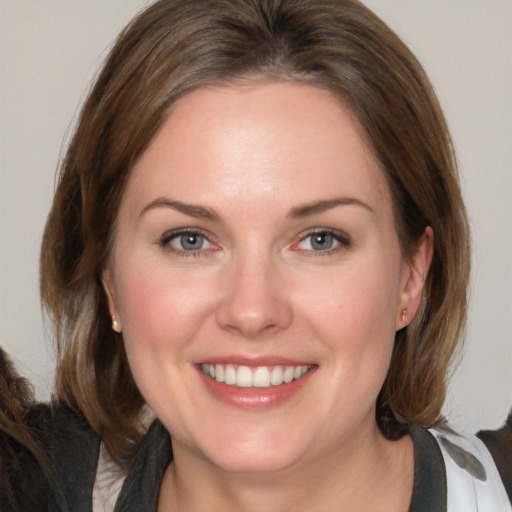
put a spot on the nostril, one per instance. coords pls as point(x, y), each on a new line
point(253, 304)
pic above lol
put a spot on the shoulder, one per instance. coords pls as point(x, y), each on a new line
point(61, 432)
point(472, 477)
point(499, 444)
point(56, 469)
point(141, 487)
point(74, 452)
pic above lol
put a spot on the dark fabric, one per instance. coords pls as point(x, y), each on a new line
point(65, 482)
point(142, 485)
point(499, 443)
point(73, 448)
point(429, 492)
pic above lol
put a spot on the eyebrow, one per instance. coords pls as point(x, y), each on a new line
point(299, 212)
point(317, 207)
point(192, 210)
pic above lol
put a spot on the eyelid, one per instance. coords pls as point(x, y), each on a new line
point(165, 239)
point(344, 240)
point(173, 233)
point(330, 231)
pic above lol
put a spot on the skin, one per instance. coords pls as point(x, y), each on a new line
point(254, 155)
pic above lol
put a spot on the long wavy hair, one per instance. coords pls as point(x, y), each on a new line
point(175, 46)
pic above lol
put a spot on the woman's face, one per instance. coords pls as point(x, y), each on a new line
point(257, 277)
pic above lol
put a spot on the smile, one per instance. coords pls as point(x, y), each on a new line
point(254, 377)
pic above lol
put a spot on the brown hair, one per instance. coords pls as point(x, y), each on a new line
point(175, 46)
point(24, 466)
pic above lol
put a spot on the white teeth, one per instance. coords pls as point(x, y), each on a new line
point(219, 373)
point(244, 377)
point(277, 376)
point(230, 375)
point(288, 374)
point(259, 377)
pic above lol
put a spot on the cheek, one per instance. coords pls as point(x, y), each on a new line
point(159, 309)
point(145, 306)
point(353, 301)
point(353, 313)
point(161, 313)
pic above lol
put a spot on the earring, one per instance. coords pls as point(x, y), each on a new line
point(404, 315)
point(115, 324)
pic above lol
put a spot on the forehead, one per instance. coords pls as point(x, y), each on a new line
point(259, 142)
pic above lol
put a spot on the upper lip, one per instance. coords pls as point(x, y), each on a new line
point(255, 361)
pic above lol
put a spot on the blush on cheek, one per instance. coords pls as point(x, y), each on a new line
point(160, 307)
point(143, 310)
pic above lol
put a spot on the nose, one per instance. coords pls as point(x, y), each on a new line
point(254, 301)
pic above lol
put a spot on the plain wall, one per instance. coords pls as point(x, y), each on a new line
point(50, 50)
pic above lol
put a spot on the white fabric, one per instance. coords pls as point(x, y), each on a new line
point(467, 493)
point(108, 483)
point(109, 478)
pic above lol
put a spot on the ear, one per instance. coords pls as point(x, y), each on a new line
point(412, 280)
point(108, 285)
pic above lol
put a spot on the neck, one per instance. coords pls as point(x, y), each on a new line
point(367, 473)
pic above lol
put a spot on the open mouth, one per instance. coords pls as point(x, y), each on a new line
point(254, 377)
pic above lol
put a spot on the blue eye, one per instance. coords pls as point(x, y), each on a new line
point(323, 241)
point(189, 241)
point(186, 241)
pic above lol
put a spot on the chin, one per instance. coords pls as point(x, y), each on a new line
point(254, 452)
point(243, 462)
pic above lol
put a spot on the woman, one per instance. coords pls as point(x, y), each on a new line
point(258, 236)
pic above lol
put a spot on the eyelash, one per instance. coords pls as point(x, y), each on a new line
point(342, 239)
point(166, 239)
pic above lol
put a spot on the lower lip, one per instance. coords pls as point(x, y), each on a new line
point(255, 398)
